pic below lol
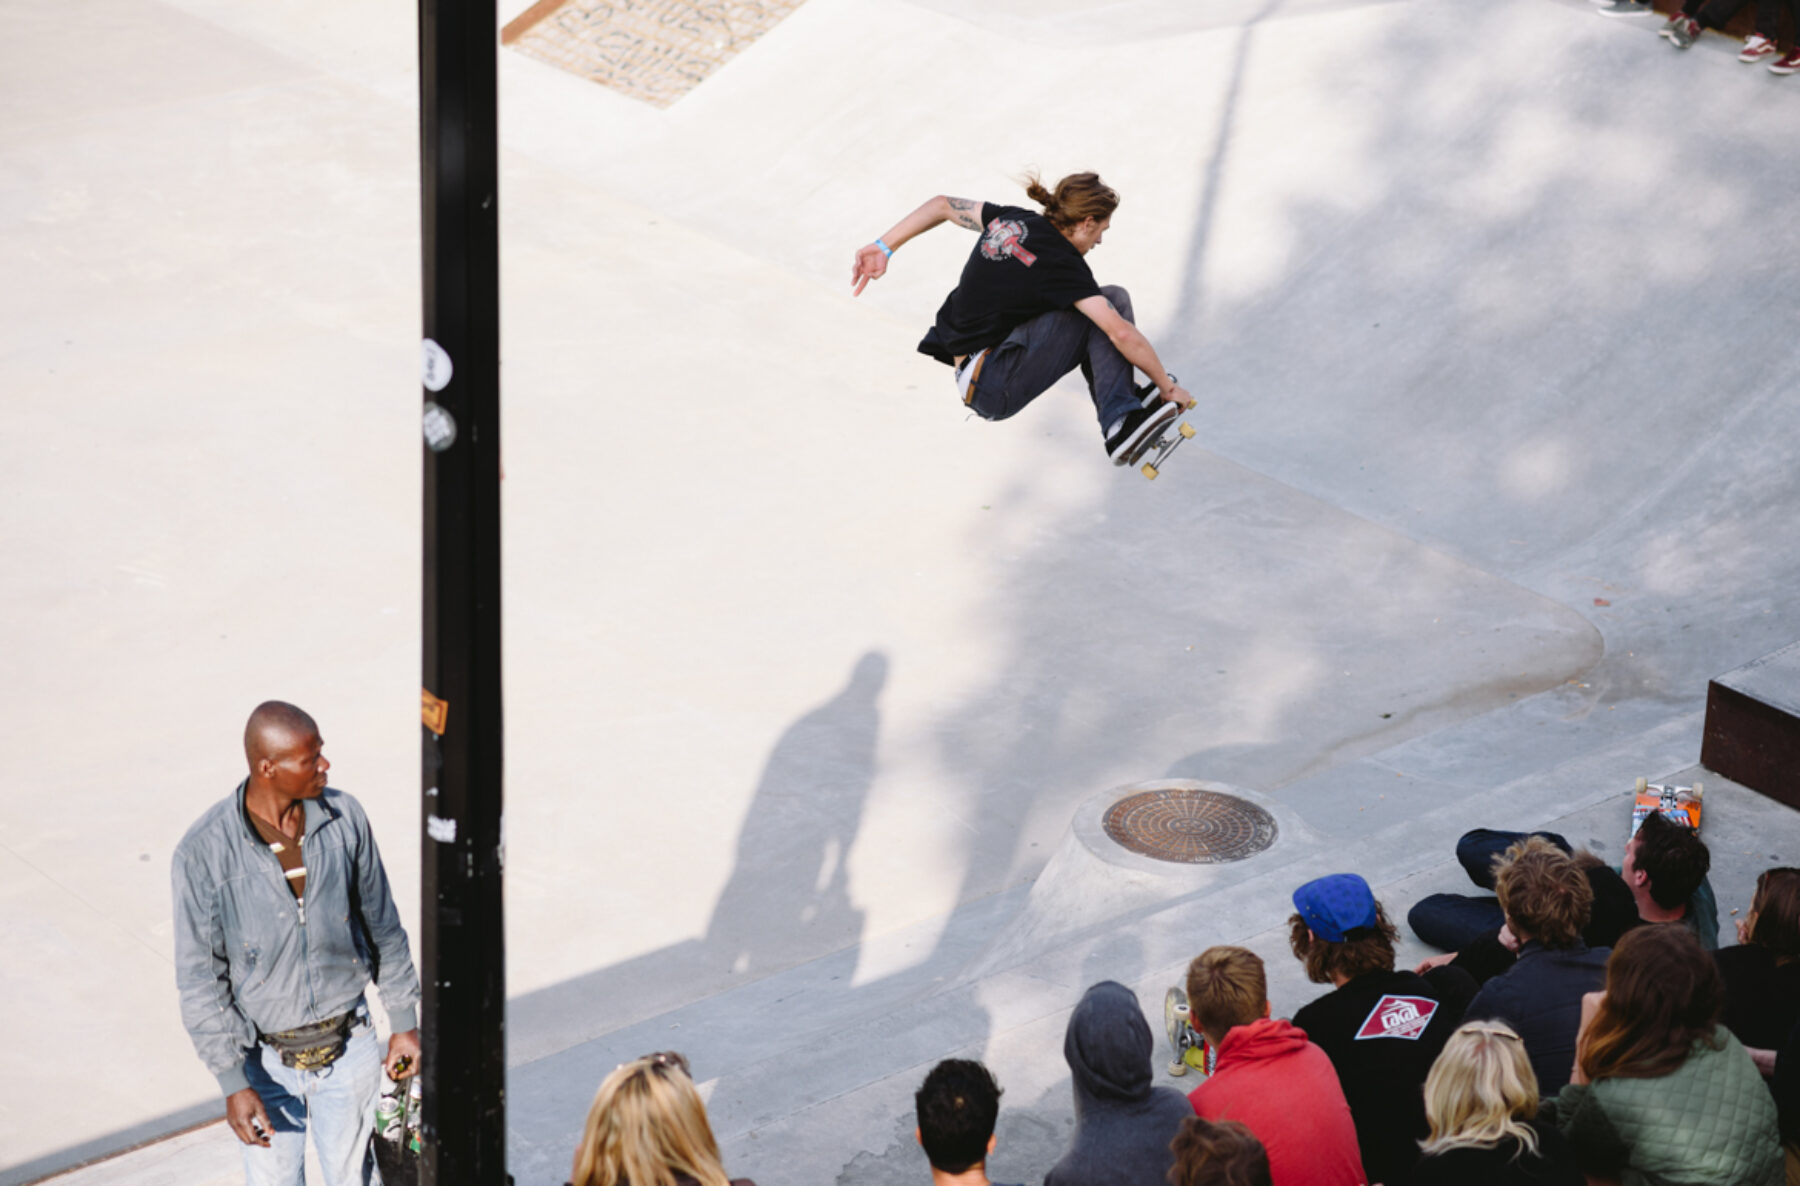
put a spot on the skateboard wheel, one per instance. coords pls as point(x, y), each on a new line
point(1699, 790)
point(1187, 431)
point(1150, 471)
point(1643, 784)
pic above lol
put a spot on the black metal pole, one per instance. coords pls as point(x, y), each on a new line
point(462, 944)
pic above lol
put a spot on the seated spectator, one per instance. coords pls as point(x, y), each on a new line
point(1546, 900)
point(1663, 878)
point(1458, 922)
point(1222, 1154)
point(1381, 1028)
point(1665, 869)
point(1660, 1092)
point(1691, 16)
point(1123, 1124)
point(1482, 1100)
point(647, 1127)
point(1762, 972)
point(1785, 1086)
point(1269, 1077)
point(957, 1106)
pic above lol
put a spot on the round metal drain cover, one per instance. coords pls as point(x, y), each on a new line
point(1190, 827)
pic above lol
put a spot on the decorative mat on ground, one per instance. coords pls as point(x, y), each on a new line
point(654, 50)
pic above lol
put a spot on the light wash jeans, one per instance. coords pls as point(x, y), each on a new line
point(337, 1103)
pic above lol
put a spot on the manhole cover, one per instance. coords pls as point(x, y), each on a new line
point(1190, 827)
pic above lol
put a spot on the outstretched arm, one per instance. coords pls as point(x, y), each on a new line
point(1136, 348)
point(871, 261)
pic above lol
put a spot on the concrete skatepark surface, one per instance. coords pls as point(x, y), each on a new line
point(1488, 311)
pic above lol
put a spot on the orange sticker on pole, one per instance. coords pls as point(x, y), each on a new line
point(433, 712)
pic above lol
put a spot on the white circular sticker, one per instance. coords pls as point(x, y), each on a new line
point(436, 368)
point(440, 427)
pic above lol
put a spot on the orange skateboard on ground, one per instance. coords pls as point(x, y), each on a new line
point(1680, 804)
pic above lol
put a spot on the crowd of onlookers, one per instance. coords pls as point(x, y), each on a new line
point(1583, 1027)
point(1693, 17)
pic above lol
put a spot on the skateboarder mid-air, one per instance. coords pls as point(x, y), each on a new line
point(1027, 310)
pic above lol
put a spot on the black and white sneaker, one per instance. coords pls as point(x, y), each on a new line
point(1147, 393)
point(1130, 434)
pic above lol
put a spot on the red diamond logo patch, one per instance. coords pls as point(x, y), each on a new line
point(1398, 1017)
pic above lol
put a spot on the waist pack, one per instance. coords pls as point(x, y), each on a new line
point(313, 1047)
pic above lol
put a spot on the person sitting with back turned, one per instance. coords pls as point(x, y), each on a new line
point(1546, 899)
point(1221, 1153)
point(1662, 879)
point(1269, 1077)
point(1661, 1092)
point(647, 1127)
point(1762, 971)
point(1784, 1085)
point(1123, 1124)
point(1027, 310)
point(1381, 1028)
point(957, 1106)
point(1482, 1101)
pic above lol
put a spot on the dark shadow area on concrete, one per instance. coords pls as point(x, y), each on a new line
point(789, 887)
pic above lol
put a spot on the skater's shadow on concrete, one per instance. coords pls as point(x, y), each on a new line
point(788, 895)
point(787, 902)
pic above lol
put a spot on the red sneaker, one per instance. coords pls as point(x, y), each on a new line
point(1758, 48)
point(1788, 64)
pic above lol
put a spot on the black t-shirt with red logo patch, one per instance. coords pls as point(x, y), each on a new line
point(1021, 268)
point(1382, 1032)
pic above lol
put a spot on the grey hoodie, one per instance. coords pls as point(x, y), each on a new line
point(1123, 1125)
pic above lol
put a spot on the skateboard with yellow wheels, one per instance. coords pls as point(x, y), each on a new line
point(1167, 439)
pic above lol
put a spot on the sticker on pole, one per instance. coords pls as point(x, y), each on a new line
point(434, 712)
point(440, 427)
point(441, 830)
point(435, 367)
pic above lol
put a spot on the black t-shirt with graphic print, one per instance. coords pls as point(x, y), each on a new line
point(1021, 268)
point(1382, 1031)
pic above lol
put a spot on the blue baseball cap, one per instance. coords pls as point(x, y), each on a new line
point(1335, 904)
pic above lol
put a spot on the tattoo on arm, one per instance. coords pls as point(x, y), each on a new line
point(965, 213)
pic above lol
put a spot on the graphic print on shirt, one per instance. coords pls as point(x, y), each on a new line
point(1005, 239)
point(1398, 1017)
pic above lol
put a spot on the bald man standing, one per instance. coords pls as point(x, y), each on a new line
point(282, 919)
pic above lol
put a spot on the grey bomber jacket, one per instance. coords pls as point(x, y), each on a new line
point(247, 959)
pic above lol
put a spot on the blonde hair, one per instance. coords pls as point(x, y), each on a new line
point(1481, 1090)
point(647, 1125)
point(1077, 198)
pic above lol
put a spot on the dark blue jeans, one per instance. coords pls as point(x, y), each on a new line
point(1035, 355)
point(1453, 921)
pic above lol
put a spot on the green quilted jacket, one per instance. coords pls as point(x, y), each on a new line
point(1711, 1122)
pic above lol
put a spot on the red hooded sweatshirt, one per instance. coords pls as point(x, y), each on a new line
point(1283, 1088)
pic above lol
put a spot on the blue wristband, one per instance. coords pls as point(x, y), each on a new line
point(885, 249)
